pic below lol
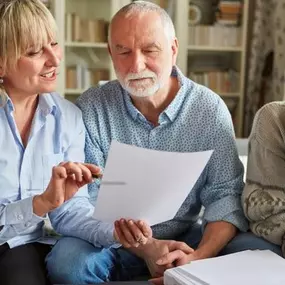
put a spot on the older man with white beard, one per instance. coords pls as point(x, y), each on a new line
point(153, 105)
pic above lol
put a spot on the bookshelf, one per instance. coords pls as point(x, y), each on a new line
point(82, 34)
point(92, 54)
point(215, 47)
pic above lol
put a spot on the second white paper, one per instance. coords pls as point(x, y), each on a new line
point(146, 184)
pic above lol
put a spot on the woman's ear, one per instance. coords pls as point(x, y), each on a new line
point(1, 70)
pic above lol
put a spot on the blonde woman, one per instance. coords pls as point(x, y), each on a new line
point(41, 136)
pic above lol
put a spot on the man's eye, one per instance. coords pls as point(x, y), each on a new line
point(124, 52)
point(150, 51)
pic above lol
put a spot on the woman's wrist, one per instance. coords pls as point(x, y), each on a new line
point(40, 207)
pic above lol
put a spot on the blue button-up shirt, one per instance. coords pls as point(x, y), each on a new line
point(196, 120)
point(57, 134)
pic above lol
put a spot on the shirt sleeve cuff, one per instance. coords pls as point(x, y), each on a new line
point(21, 212)
point(106, 235)
point(231, 212)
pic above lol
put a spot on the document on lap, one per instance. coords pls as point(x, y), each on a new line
point(146, 184)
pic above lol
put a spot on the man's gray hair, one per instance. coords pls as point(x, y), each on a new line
point(143, 7)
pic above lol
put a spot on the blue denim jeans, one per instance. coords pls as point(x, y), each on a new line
point(74, 261)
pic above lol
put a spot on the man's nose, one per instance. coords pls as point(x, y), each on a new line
point(138, 63)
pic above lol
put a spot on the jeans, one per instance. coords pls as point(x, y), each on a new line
point(74, 261)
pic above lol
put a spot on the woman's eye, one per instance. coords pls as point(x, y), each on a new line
point(32, 53)
point(54, 44)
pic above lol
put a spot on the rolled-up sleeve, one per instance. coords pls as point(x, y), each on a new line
point(75, 218)
point(16, 217)
point(221, 195)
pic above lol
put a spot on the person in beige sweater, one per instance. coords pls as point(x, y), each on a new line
point(263, 198)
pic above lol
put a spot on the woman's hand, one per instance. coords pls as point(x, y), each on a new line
point(132, 233)
point(66, 180)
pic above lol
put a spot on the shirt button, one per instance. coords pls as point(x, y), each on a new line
point(46, 112)
point(20, 217)
point(28, 224)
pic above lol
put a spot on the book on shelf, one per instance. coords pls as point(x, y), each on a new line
point(79, 29)
point(217, 80)
point(229, 13)
point(223, 16)
point(81, 77)
point(214, 35)
point(233, 6)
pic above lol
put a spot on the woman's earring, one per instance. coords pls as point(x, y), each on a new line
point(1, 80)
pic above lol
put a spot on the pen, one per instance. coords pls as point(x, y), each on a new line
point(99, 176)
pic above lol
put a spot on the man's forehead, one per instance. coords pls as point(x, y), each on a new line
point(148, 34)
point(142, 20)
point(143, 45)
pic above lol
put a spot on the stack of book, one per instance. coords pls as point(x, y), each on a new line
point(229, 13)
point(217, 80)
point(85, 30)
point(81, 77)
point(250, 267)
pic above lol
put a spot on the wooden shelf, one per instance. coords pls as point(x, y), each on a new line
point(86, 45)
point(214, 48)
point(229, 94)
point(74, 91)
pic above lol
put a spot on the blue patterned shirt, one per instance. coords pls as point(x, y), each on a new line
point(196, 120)
point(57, 134)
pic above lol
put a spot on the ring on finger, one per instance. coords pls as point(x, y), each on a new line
point(140, 240)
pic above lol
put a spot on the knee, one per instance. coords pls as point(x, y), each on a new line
point(66, 263)
point(75, 261)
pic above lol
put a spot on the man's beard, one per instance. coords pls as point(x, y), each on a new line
point(147, 86)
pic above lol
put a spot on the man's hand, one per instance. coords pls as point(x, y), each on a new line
point(66, 180)
point(132, 233)
point(177, 257)
point(216, 236)
point(155, 250)
point(179, 254)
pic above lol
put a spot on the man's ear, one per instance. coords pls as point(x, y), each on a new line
point(174, 48)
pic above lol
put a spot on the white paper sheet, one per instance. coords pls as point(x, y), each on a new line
point(146, 184)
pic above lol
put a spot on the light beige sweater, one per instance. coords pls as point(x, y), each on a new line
point(263, 197)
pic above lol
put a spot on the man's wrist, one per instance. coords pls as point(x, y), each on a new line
point(204, 252)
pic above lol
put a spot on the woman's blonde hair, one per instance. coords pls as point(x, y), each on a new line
point(23, 24)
